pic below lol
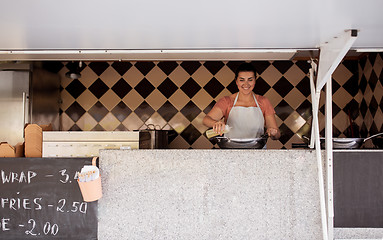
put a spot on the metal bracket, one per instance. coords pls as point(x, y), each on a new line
point(331, 54)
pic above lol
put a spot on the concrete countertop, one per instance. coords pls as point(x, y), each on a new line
point(211, 194)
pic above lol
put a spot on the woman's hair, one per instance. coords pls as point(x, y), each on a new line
point(245, 67)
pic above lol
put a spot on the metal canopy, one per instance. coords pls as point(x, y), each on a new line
point(174, 25)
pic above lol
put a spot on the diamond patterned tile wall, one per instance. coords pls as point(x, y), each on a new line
point(371, 104)
point(120, 96)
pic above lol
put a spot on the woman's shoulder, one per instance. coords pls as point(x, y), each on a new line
point(261, 98)
point(225, 102)
point(265, 105)
point(227, 99)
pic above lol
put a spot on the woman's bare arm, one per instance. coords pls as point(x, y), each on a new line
point(214, 119)
point(271, 127)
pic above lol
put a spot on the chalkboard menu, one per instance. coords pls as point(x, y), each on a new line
point(40, 199)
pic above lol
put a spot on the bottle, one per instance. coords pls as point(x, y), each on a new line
point(211, 133)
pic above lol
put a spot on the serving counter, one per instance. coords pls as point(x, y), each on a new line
point(193, 194)
point(213, 194)
point(209, 194)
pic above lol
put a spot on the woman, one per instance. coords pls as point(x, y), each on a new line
point(246, 113)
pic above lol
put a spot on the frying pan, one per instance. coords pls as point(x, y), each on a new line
point(236, 143)
point(345, 143)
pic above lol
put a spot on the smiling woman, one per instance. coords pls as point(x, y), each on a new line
point(246, 113)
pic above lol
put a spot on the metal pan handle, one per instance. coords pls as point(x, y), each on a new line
point(375, 135)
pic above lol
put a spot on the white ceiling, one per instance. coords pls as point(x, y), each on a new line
point(176, 24)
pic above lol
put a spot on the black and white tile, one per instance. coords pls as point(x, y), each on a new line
point(120, 96)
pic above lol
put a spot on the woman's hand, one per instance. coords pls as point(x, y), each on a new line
point(219, 127)
point(214, 120)
point(272, 128)
point(273, 133)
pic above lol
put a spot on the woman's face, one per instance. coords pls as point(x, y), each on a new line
point(245, 82)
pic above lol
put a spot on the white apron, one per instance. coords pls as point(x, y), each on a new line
point(245, 122)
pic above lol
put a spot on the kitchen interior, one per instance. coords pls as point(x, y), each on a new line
point(150, 86)
point(174, 96)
